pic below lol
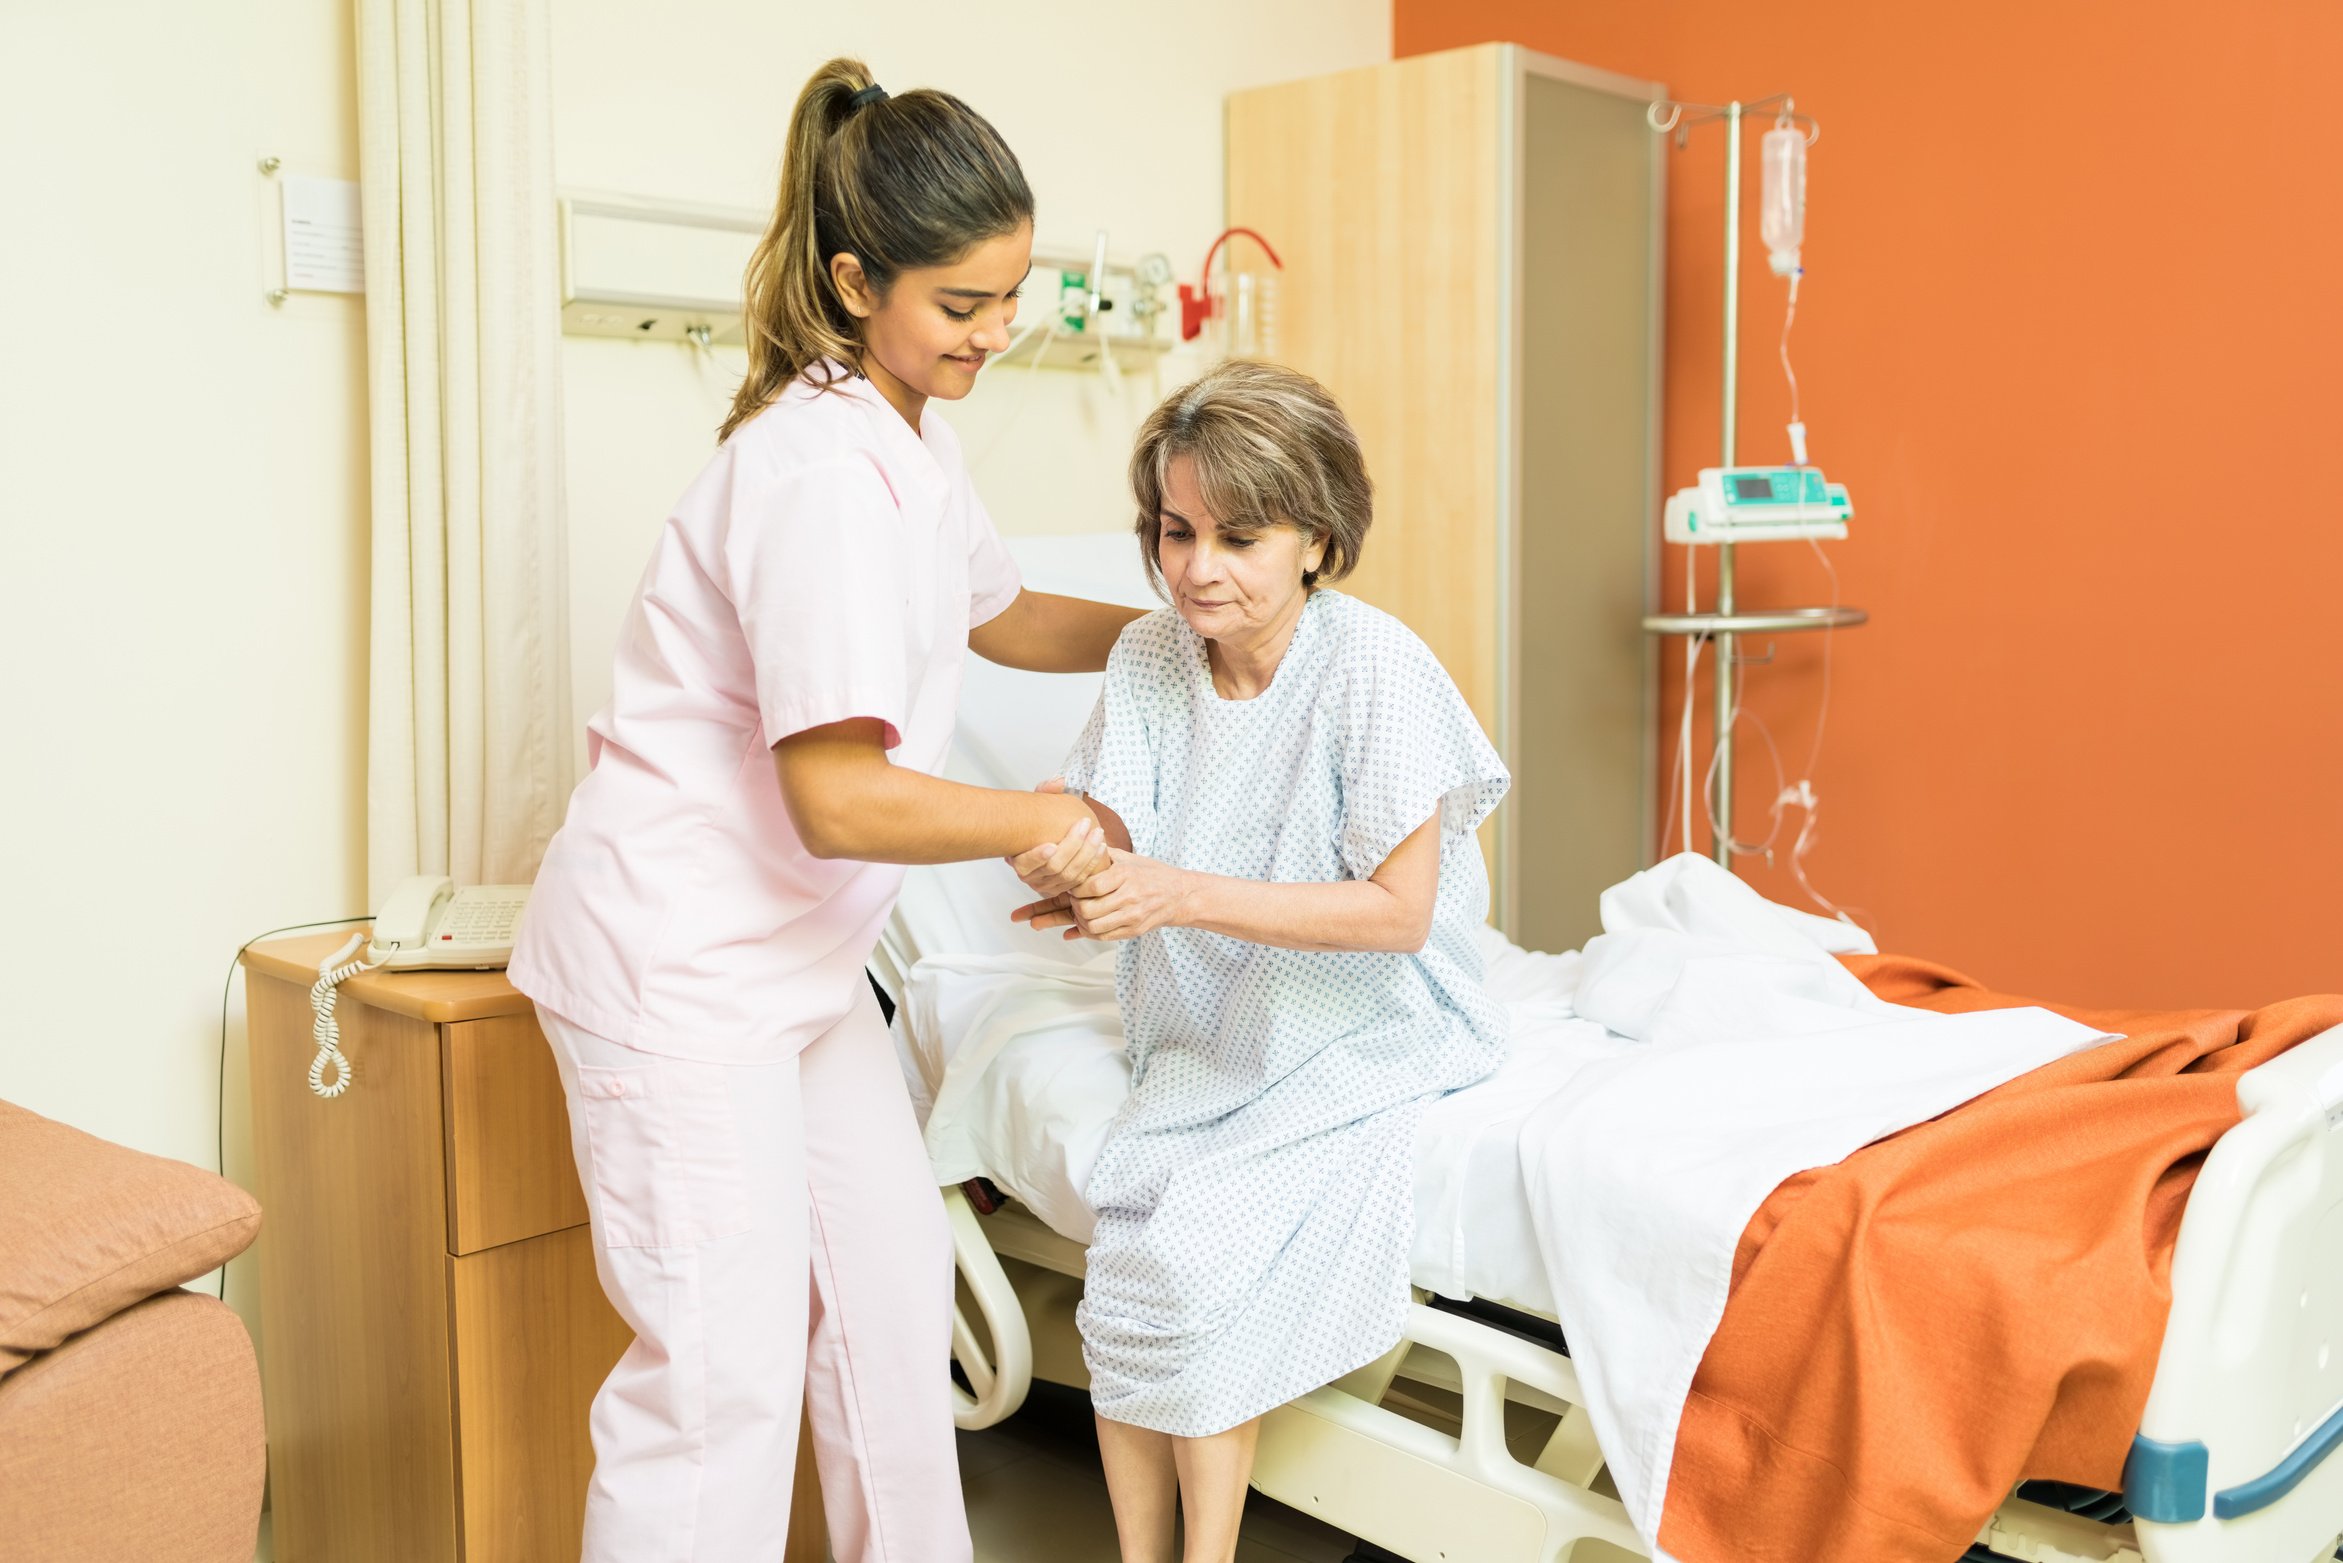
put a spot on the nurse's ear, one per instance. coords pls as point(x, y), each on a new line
point(853, 285)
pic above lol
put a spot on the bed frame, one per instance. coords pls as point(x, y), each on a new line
point(1468, 1442)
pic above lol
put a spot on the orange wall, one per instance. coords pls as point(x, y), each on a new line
point(2091, 745)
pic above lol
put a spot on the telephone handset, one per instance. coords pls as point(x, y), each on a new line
point(426, 925)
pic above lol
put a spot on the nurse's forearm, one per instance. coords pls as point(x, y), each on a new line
point(1044, 633)
point(848, 800)
point(911, 817)
point(1355, 914)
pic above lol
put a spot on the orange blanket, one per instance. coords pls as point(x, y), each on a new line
point(1977, 1300)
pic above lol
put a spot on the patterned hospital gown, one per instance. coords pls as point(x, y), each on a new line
point(1255, 1195)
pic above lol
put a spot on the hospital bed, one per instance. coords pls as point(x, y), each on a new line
point(1470, 1439)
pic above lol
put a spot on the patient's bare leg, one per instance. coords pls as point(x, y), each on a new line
point(1214, 1472)
point(1144, 1485)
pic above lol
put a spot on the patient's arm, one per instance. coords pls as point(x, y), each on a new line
point(1391, 910)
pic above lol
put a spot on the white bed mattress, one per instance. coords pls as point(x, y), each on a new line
point(1016, 1060)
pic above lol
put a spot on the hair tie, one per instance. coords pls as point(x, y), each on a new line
point(874, 93)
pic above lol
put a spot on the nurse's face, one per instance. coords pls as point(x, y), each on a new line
point(931, 332)
point(1233, 586)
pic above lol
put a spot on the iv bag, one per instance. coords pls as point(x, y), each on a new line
point(1782, 206)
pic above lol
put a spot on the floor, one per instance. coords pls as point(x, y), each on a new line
point(1036, 1495)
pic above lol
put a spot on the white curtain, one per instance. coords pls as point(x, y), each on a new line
point(468, 757)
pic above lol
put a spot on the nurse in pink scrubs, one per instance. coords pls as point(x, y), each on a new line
point(783, 696)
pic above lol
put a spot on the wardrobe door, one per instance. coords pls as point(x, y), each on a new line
point(1380, 188)
point(1583, 752)
point(1471, 265)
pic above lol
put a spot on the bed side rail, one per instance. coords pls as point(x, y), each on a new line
point(1000, 1377)
point(2240, 1453)
point(1423, 1494)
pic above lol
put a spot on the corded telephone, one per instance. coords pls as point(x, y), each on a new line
point(427, 924)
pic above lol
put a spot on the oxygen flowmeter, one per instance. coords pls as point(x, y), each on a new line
point(1758, 504)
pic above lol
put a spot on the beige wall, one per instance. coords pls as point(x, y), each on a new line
point(1115, 112)
point(182, 543)
point(183, 468)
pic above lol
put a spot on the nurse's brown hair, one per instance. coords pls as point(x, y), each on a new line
point(896, 182)
point(1271, 448)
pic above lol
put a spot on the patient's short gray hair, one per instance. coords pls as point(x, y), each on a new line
point(1271, 448)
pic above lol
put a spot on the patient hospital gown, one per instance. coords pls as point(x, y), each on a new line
point(1254, 1196)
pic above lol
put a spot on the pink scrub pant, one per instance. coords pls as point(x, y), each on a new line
point(773, 1237)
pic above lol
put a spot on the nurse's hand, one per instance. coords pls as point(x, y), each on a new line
point(1134, 896)
point(1054, 868)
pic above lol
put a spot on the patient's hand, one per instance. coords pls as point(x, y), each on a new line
point(1056, 912)
point(1135, 895)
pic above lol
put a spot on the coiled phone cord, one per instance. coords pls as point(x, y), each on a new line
point(332, 972)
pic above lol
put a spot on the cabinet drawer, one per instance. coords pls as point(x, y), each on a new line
point(510, 1174)
point(533, 1341)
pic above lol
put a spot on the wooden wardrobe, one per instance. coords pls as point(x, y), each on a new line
point(1472, 249)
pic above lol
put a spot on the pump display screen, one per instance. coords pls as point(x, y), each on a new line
point(1753, 488)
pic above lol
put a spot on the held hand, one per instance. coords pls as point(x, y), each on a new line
point(1134, 896)
point(1056, 912)
point(1055, 868)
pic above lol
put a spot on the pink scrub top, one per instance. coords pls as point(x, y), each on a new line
point(827, 564)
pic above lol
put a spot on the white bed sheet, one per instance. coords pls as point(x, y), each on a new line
point(1016, 1061)
point(1721, 1050)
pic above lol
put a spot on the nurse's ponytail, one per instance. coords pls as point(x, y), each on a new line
point(896, 182)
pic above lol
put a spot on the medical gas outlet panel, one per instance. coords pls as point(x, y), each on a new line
point(1080, 308)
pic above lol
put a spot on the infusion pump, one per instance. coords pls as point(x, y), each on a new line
point(1758, 504)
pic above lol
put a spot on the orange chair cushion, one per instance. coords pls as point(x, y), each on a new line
point(88, 1228)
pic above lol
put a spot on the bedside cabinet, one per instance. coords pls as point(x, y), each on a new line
point(431, 1327)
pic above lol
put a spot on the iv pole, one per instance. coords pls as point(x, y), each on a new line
point(1726, 625)
point(1721, 799)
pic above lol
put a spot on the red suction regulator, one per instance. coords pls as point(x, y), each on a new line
point(1197, 304)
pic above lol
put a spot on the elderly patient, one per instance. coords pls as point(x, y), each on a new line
point(1291, 782)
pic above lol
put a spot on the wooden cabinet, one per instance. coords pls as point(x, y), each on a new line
point(1472, 265)
point(431, 1328)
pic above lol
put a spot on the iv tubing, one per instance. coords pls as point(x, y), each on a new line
point(1789, 317)
point(1230, 233)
